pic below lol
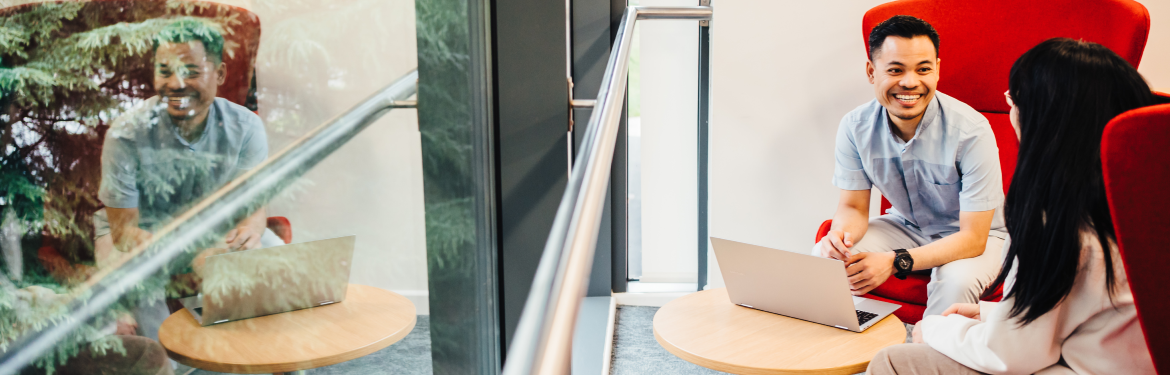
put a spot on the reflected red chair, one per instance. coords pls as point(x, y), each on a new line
point(980, 40)
point(76, 156)
point(1137, 171)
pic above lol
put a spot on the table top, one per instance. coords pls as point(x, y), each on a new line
point(705, 328)
point(369, 320)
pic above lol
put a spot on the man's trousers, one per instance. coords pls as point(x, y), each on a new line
point(960, 281)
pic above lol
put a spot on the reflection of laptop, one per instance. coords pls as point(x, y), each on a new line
point(251, 283)
point(796, 285)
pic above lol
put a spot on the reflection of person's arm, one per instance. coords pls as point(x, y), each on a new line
point(124, 228)
point(247, 233)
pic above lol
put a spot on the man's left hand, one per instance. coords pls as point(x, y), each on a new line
point(916, 335)
point(246, 235)
point(869, 270)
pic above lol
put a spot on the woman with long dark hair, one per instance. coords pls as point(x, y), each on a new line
point(1067, 306)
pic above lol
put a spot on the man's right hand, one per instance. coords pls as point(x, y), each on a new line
point(836, 245)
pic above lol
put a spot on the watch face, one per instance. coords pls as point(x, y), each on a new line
point(903, 263)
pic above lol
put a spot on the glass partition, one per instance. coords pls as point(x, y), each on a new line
point(663, 219)
point(177, 176)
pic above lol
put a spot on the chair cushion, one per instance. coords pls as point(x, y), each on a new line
point(909, 313)
point(912, 290)
point(282, 227)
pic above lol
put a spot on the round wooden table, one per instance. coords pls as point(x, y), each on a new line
point(705, 328)
point(369, 320)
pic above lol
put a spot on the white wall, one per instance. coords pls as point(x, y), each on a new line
point(1155, 64)
point(781, 80)
point(372, 187)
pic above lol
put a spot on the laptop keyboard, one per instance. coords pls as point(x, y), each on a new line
point(863, 317)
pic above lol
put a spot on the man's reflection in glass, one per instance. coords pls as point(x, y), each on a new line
point(167, 154)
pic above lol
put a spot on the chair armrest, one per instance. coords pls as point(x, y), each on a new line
point(824, 230)
point(282, 227)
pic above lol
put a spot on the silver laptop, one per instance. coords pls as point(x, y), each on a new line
point(796, 285)
point(278, 279)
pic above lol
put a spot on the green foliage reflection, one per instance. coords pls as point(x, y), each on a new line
point(67, 71)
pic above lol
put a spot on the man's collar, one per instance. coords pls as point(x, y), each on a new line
point(928, 117)
point(214, 118)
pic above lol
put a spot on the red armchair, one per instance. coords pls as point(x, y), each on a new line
point(980, 42)
point(1137, 169)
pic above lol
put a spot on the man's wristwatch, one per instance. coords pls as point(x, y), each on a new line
point(903, 263)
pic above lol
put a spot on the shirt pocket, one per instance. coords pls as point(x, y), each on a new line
point(942, 199)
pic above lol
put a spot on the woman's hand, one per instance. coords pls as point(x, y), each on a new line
point(969, 310)
point(916, 335)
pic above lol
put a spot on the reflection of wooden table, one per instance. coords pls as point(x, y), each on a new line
point(705, 328)
point(369, 320)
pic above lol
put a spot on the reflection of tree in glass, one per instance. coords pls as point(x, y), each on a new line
point(278, 279)
point(66, 71)
point(450, 185)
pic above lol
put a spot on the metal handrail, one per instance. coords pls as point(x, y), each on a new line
point(542, 343)
point(250, 190)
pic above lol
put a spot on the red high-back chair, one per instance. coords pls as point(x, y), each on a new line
point(1137, 171)
point(78, 155)
point(979, 42)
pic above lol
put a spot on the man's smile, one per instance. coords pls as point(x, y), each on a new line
point(907, 99)
point(179, 100)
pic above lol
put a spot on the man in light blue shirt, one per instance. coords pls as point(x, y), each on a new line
point(174, 150)
point(935, 159)
point(180, 146)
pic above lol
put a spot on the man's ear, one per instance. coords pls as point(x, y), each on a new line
point(221, 73)
point(937, 62)
point(869, 70)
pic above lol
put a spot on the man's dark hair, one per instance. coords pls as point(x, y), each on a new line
point(902, 26)
point(187, 30)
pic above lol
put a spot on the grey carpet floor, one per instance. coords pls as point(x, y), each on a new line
point(635, 352)
point(411, 356)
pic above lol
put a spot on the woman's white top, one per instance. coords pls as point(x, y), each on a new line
point(1087, 333)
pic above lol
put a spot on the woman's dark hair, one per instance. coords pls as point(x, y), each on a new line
point(901, 26)
point(1066, 92)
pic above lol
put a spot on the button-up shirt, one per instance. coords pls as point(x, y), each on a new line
point(147, 164)
point(950, 165)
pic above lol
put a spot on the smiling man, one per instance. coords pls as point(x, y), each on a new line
point(935, 159)
point(167, 154)
point(185, 143)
